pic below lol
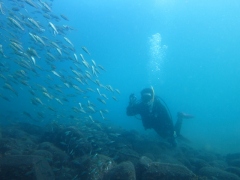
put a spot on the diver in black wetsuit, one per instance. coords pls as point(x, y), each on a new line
point(155, 115)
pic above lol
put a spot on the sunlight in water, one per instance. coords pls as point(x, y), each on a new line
point(165, 3)
point(157, 52)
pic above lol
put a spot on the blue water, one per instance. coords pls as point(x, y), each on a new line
point(187, 50)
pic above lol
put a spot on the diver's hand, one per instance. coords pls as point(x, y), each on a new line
point(132, 99)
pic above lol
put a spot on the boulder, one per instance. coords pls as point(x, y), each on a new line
point(30, 128)
point(167, 171)
point(123, 171)
point(25, 167)
point(59, 157)
point(93, 166)
point(12, 146)
point(142, 166)
point(127, 154)
point(144, 162)
point(69, 139)
point(198, 164)
point(13, 152)
point(216, 173)
point(233, 170)
point(235, 162)
point(207, 156)
point(168, 159)
point(13, 132)
point(232, 156)
point(219, 164)
point(45, 154)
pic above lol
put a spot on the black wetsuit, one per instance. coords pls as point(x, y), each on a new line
point(155, 117)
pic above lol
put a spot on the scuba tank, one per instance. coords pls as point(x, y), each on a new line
point(162, 102)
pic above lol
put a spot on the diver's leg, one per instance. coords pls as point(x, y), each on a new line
point(178, 124)
point(167, 134)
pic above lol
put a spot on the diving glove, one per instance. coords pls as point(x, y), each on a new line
point(132, 99)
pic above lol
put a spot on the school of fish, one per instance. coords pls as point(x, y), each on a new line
point(40, 62)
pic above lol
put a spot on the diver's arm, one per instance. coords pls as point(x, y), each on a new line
point(132, 108)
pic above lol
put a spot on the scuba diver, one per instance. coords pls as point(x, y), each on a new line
point(155, 115)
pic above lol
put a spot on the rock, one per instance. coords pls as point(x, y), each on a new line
point(219, 164)
point(207, 156)
point(233, 170)
point(30, 128)
point(94, 166)
point(10, 146)
point(232, 156)
point(27, 145)
point(165, 158)
point(145, 162)
point(155, 149)
point(187, 150)
point(123, 171)
point(167, 171)
point(182, 155)
point(150, 156)
point(235, 162)
point(25, 167)
point(233, 159)
point(142, 166)
point(59, 156)
point(198, 164)
point(13, 152)
point(69, 139)
point(185, 162)
point(127, 154)
point(45, 154)
point(212, 172)
point(13, 132)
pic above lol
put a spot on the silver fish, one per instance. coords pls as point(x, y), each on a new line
point(64, 17)
point(45, 6)
point(1, 8)
point(35, 23)
point(54, 28)
point(31, 3)
point(16, 23)
point(1, 51)
point(55, 73)
point(66, 39)
point(86, 50)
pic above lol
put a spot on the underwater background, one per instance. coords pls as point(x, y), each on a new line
point(187, 50)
